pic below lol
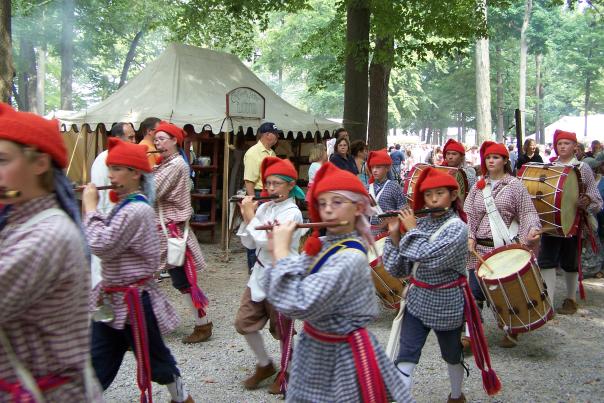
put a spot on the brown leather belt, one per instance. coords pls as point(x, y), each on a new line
point(488, 242)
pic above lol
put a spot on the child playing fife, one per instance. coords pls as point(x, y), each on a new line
point(330, 288)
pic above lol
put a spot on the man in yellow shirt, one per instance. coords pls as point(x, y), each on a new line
point(268, 135)
point(147, 130)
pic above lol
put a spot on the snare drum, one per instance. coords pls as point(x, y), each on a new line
point(389, 288)
point(554, 190)
point(415, 172)
point(512, 283)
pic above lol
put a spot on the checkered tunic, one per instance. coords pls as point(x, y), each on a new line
point(128, 245)
point(471, 176)
point(441, 261)
point(338, 299)
point(390, 198)
point(513, 202)
point(173, 194)
point(44, 287)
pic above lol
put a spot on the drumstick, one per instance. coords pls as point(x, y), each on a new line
point(239, 198)
point(108, 187)
point(416, 212)
point(9, 194)
point(307, 225)
point(153, 152)
point(482, 261)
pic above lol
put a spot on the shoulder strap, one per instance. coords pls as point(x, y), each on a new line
point(499, 231)
point(41, 216)
point(25, 377)
point(348, 243)
point(128, 200)
point(435, 235)
point(163, 225)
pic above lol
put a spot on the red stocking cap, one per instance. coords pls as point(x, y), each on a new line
point(172, 130)
point(277, 166)
point(32, 130)
point(328, 178)
point(563, 135)
point(113, 196)
point(128, 155)
point(431, 178)
point(452, 145)
point(490, 147)
point(379, 157)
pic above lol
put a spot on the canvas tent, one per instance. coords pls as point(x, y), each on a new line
point(188, 85)
point(576, 124)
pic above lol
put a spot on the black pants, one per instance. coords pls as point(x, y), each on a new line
point(109, 346)
point(557, 251)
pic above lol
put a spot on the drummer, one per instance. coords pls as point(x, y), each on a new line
point(387, 193)
point(513, 215)
point(455, 157)
point(558, 251)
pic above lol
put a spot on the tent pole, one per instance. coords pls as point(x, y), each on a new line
point(225, 188)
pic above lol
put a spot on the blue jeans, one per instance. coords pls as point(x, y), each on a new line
point(109, 346)
point(413, 337)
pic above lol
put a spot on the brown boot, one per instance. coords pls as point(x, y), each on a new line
point(261, 374)
point(275, 388)
point(188, 400)
point(200, 334)
point(509, 341)
point(466, 344)
point(569, 307)
point(460, 399)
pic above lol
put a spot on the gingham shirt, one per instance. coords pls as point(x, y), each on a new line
point(172, 192)
point(591, 187)
point(513, 202)
point(441, 261)
point(338, 299)
point(128, 245)
point(44, 288)
point(470, 176)
point(389, 197)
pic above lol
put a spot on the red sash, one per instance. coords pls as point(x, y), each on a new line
point(286, 333)
point(368, 371)
point(479, 346)
point(21, 395)
point(136, 313)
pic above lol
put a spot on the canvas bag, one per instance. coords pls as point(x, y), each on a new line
point(176, 246)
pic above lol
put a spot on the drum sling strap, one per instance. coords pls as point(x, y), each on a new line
point(502, 235)
point(377, 196)
point(369, 375)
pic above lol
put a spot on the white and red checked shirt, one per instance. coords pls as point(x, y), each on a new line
point(128, 243)
point(173, 195)
point(44, 288)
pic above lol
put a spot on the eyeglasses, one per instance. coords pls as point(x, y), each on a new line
point(335, 204)
point(162, 138)
point(274, 184)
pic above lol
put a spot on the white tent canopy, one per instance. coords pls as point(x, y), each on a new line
point(186, 84)
point(576, 124)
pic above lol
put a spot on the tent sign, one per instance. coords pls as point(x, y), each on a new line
point(244, 102)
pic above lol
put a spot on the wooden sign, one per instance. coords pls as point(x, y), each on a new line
point(244, 102)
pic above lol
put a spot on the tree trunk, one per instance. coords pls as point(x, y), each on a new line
point(7, 69)
point(463, 128)
point(379, 79)
point(483, 91)
point(28, 77)
point(500, 106)
point(130, 57)
point(522, 64)
point(67, 54)
point(40, 84)
point(587, 88)
point(539, 135)
point(356, 90)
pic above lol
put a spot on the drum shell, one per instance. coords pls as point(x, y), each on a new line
point(526, 317)
point(561, 219)
point(389, 288)
point(413, 175)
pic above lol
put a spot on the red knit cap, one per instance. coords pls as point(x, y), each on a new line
point(490, 147)
point(328, 178)
point(379, 157)
point(563, 135)
point(172, 130)
point(431, 178)
point(33, 130)
point(127, 154)
point(452, 145)
point(277, 166)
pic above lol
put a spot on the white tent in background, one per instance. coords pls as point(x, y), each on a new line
point(188, 85)
point(576, 124)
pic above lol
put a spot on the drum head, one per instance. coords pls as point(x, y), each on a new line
point(504, 263)
point(379, 248)
point(568, 207)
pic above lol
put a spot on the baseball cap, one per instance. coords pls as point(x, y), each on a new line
point(268, 127)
